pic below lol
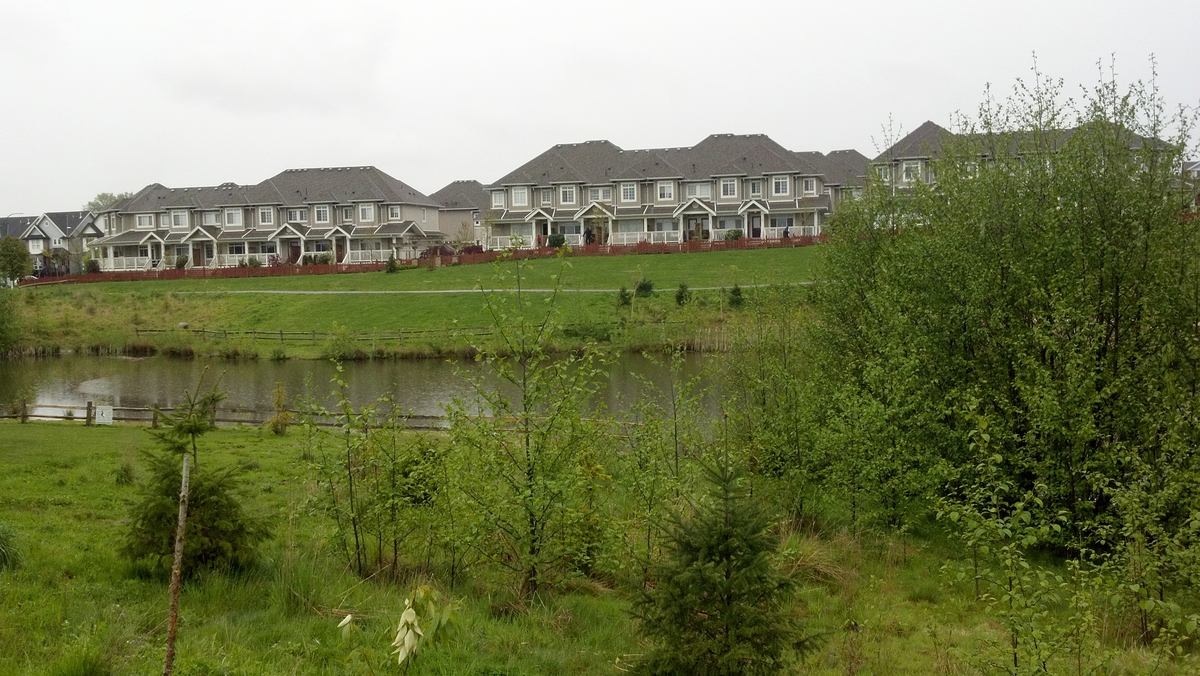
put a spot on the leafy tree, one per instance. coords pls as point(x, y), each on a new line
point(105, 199)
point(15, 261)
point(527, 458)
point(719, 605)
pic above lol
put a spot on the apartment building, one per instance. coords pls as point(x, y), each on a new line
point(341, 214)
point(596, 192)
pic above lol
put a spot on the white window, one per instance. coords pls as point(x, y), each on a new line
point(145, 220)
point(729, 187)
point(211, 218)
point(547, 197)
point(884, 173)
point(663, 224)
point(729, 223)
point(912, 171)
point(498, 199)
point(266, 247)
point(347, 214)
point(566, 194)
point(629, 192)
point(237, 248)
point(779, 185)
point(366, 213)
point(143, 252)
point(233, 218)
point(520, 197)
point(756, 188)
point(182, 250)
point(810, 186)
point(322, 214)
point(57, 242)
point(394, 212)
point(35, 246)
point(179, 219)
point(783, 221)
point(164, 220)
point(424, 214)
point(666, 190)
point(266, 216)
point(297, 215)
point(600, 194)
point(702, 190)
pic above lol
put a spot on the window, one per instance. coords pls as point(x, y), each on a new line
point(547, 197)
point(266, 216)
point(145, 220)
point(810, 186)
point(662, 224)
point(179, 219)
point(600, 194)
point(266, 247)
point(782, 221)
point(322, 214)
point(729, 223)
point(237, 248)
point(233, 218)
point(703, 190)
point(756, 188)
point(57, 242)
point(211, 218)
point(165, 220)
point(884, 173)
point(347, 214)
point(394, 212)
point(320, 245)
point(183, 250)
point(628, 192)
point(424, 214)
point(912, 171)
point(779, 185)
point(729, 187)
point(498, 199)
point(520, 197)
point(297, 215)
point(366, 213)
point(666, 190)
point(35, 246)
point(143, 252)
point(566, 194)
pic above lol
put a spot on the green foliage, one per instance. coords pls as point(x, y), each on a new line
point(683, 295)
point(10, 321)
point(181, 262)
point(15, 261)
point(557, 240)
point(283, 415)
point(733, 235)
point(529, 472)
point(254, 263)
point(124, 475)
point(644, 288)
point(624, 297)
point(392, 265)
point(719, 604)
point(736, 299)
point(10, 553)
point(342, 345)
point(105, 199)
point(91, 266)
point(219, 533)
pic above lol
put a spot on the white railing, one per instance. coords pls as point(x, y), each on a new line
point(777, 233)
point(369, 256)
point(719, 235)
point(629, 237)
point(235, 260)
point(573, 240)
point(121, 263)
point(665, 236)
point(505, 242)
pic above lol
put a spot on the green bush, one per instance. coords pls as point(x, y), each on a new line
point(91, 266)
point(181, 262)
point(644, 289)
point(733, 235)
point(624, 297)
point(557, 240)
point(255, 263)
point(683, 295)
point(323, 259)
point(736, 299)
point(392, 266)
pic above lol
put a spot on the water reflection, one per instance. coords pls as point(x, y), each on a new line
point(421, 386)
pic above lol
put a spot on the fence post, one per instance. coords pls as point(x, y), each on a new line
point(24, 413)
point(154, 417)
point(87, 420)
point(281, 337)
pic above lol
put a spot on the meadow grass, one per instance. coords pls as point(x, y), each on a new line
point(876, 604)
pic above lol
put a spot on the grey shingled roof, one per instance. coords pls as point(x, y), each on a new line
point(924, 141)
point(463, 195)
point(13, 226)
point(69, 221)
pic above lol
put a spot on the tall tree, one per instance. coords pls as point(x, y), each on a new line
point(15, 261)
point(106, 199)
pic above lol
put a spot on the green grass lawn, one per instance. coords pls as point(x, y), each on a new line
point(879, 605)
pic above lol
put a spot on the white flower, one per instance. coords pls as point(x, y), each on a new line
point(349, 618)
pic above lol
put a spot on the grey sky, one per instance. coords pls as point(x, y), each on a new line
point(114, 95)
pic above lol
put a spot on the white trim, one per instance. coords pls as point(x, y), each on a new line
point(498, 199)
point(547, 197)
point(753, 191)
point(393, 212)
point(634, 187)
point(563, 191)
point(670, 191)
point(728, 182)
point(519, 196)
point(236, 222)
point(269, 212)
point(775, 186)
point(366, 212)
point(297, 215)
point(317, 213)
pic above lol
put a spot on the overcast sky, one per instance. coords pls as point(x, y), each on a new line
point(114, 95)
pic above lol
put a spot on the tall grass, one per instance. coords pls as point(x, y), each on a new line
point(10, 554)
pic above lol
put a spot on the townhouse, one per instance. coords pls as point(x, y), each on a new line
point(337, 215)
point(462, 202)
point(57, 241)
point(596, 192)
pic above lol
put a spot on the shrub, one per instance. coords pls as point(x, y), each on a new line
point(557, 240)
point(736, 299)
point(471, 249)
point(181, 262)
point(279, 353)
point(391, 265)
point(323, 259)
point(718, 607)
point(644, 289)
point(10, 555)
point(255, 263)
point(124, 475)
point(683, 295)
point(733, 235)
point(624, 297)
point(435, 251)
point(91, 266)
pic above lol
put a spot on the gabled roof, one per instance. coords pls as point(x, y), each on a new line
point(14, 226)
point(462, 195)
point(337, 185)
point(846, 168)
point(924, 141)
point(68, 222)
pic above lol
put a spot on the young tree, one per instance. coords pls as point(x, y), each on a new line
point(719, 604)
point(15, 261)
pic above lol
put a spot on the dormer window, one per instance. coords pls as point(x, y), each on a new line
point(266, 216)
point(779, 185)
point(366, 213)
point(629, 192)
point(547, 197)
point(729, 187)
point(756, 188)
point(810, 186)
point(322, 214)
point(600, 194)
point(498, 199)
point(566, 194)
point(179, 220)
point(701, 190)
point(666, 190)
point(297, 215)
point(520, 197)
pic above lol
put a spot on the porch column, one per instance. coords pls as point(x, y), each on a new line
point(816, 222)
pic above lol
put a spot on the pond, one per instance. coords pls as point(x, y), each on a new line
point(420, 386)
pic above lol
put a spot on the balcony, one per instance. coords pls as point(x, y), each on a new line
point(124, 263)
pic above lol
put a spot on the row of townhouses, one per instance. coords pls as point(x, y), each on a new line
point(587, 193)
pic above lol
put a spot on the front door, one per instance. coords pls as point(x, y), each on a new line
point(340, 248)
point(755, 226)
point(293, 252)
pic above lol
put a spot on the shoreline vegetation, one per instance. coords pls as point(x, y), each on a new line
point(438, 313)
